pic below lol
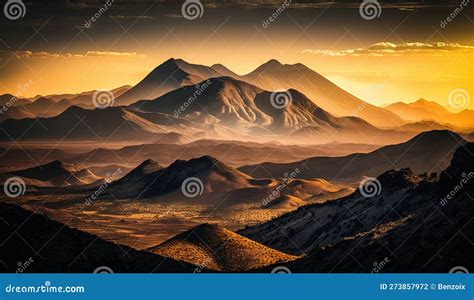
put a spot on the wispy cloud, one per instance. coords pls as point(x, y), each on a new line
point(133, 17)
point(387, 48)
point(43, 54)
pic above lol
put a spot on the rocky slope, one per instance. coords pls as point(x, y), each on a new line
point(411, 225)
point(51, 247)
point(216, 248)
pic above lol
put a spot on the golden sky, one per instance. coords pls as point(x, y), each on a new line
point(402, 56)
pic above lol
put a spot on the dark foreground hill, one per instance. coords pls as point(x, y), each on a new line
point(52, 247)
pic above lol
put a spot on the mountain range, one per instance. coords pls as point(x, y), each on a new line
point(424, 110)
point(248, 109)
point(271, 76)
point(48, 106)
point(215, 182)
point(56, 173)
point(417, 153)
point(213, 102)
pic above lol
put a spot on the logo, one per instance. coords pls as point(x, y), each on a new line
point(14, 9)
point(281, 99)
point(103, 99)
point(459, 270)
point(103, 270)
point(192, 9)
point(281, 270)
point(370, 187)
point(14, 187)
point(370, 9)
point(192, 187)
point(459, 99)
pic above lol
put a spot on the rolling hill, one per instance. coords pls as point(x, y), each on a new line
point(58, 174)
point(216, 248)
point(149, 180)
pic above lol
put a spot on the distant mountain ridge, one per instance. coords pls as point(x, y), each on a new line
point(417, 153)
point(424, 110)
point(58, 174)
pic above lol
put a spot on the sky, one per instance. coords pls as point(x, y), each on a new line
point(396, 52)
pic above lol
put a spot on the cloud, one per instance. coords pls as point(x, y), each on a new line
point(43, 54)
point(133, 17)
point(387, 48)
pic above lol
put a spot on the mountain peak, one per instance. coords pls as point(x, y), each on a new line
point(171, 60)
point(215, 174)
point(169, 63)
point(271, 64)
point(437, 136)
point(460, 168)
point(203, 163)
point(222, 249)
point(218, 66)
point(54, 164)
point(422, 100)
point(148, 166)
